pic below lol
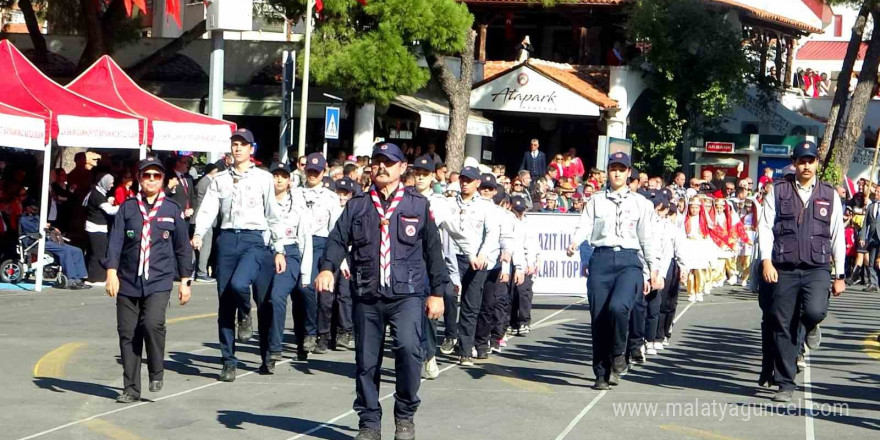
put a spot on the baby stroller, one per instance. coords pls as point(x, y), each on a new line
point(23, 264)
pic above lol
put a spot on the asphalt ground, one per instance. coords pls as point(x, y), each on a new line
point(61, 373)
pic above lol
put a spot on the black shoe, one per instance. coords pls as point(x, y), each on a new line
point(482, 355)
point(465, 361)
point(637, 356)
point(275, 356)
point(783, 396)
point(344, 340)
point(368, 434)
point(814, 337)
point(127, 398)
point(601, 384)
point(767, 382)
point(618, 364)
point(78, 285)
point(156, 386)
point(404, 430)
point(228, 373)
point(495, 346)
point(245, 329)
point(309, 343)
point(321, 344)
point(267, 367)
point(448, 345)
point(205, 279)
point(613, 379)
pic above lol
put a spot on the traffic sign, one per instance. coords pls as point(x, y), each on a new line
point(331, 123)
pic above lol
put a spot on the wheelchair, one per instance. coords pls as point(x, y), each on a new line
point(23, 265)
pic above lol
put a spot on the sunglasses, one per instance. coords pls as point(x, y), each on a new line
point(152, 176)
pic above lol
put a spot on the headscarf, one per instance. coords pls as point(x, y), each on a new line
point(105, 184)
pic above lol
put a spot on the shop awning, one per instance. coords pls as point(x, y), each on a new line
point(434, 115)
point(717, 161)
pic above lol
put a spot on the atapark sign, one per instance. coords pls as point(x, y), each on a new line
point(529, 91)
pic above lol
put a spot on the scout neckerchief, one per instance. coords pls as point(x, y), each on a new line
point(385, 221)
point(144, 260)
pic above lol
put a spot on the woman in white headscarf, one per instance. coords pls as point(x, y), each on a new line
point(99, 213)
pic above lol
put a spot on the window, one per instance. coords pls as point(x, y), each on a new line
point(838, 25)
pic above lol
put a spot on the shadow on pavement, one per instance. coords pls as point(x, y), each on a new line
point(235, 420)
point(63, 385)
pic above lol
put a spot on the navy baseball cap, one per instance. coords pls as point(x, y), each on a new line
point(471, 173)
point(315, 162)
point(805, 149)
point(329, 183)
point(245, 134)
point(488, 181)
point(621, 158)
point(424, 163)
point(151, 162)
point(279, 167)
point(345, 184)
point(499, 198)
point(519, 204)
point(389, 150)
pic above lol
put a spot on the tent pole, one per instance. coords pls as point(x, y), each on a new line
point(142, 152)
point(44, 214)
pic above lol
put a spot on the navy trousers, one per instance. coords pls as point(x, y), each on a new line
point(521, 303)
point(405, 317)
point(472, 282)
point(283, 286)
point(334, 309)
point(799, 303)
point(307, 316)
point(614, 283)
point(243, 259)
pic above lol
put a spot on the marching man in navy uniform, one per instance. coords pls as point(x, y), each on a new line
point(395, 246)
point(800, 234)
point(148, 246)
point(244, 198)
point(618, 224)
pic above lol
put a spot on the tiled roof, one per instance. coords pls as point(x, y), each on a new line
point(827, 50)
point(751, 10)
point(590, 82)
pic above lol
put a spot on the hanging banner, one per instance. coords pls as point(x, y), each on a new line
point(88, 132)
point(22, 132)
point(557, 272)
point(172, 136)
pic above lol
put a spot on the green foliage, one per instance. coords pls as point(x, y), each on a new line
point(831, 173)
point(373, 52)
point(697, 68)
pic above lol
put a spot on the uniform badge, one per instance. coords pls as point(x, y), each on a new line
point(235, 180)
point(823, 212)
point(252, 203)
point(315, 160)
point(129, 233)
point(410, 231)
point(289, 232)
point(165, 235)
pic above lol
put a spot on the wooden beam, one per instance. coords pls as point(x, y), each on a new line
point(482, 50)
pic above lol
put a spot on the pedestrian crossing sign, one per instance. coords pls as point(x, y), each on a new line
point(331, 123)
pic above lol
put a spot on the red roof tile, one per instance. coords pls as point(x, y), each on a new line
point(827, 50)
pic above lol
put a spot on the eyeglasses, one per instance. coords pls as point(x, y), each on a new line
point(152, 176)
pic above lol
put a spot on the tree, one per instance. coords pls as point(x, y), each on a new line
point(844, 147)
point(41, 52)
point(838, 106)
point(696, 65)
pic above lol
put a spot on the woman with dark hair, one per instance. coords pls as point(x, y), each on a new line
point(99, 213)
point(124, 190)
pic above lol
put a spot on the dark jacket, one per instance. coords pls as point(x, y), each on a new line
point(537, 166)
point(170, 250)
point(416, 249)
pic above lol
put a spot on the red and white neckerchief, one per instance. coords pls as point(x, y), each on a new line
point(144, 260)
point(385, 222)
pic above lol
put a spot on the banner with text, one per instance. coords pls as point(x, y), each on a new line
point(557, 272)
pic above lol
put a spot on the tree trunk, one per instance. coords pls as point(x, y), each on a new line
point(862, 95)
point(458, 92)
point(94, 35)
point(838, 106)
point(41, 52)
point(169, 50)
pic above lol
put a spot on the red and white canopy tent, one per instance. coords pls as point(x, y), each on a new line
point(168, 127)
point(71, 120)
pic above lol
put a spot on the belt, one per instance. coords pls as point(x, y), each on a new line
point(242, 231)
point(613, 249)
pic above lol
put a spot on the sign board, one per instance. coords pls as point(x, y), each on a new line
point(777, 164)
point(720, 147)
point(331, 123)
point(776, 149)
point(528, 91)
point(557, 272)
point(229, 15)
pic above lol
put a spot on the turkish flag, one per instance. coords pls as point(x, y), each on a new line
point(141, 4)
point(363, 2)
point(319, 6)
point(172, 8)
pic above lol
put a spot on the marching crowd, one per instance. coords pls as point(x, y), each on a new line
point(363, 242)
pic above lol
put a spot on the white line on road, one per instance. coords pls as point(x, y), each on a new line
point(350, 412)
point(602, 394)
point(808, 399)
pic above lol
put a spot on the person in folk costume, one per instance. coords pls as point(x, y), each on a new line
point(749, 217)
point(697, 232)
point(713, 251)
point(726, 236)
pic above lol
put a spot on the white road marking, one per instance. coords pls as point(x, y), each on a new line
point(808, 400)
point(602, 394)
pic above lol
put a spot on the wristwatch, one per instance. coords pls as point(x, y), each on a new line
point(189, 282)
point(841, 277)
